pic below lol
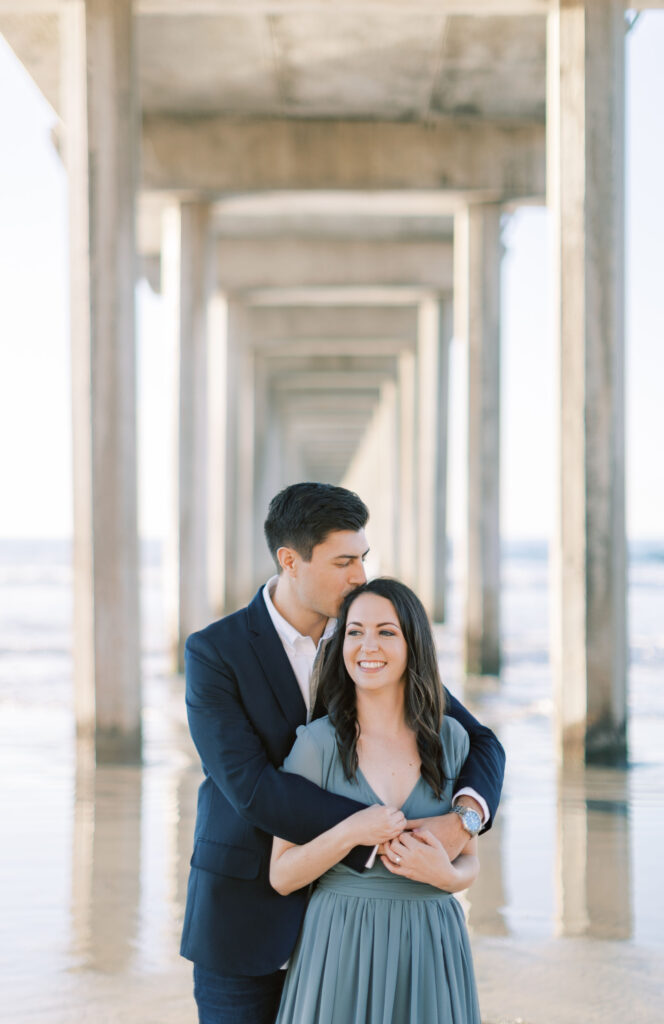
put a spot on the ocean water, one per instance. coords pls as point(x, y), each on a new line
point(95, 861)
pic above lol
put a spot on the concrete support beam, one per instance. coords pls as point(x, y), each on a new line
point(488, 8)
point(257, 7)
point(186, 274)
point(100, 153)
point(214, 155)
point(278, 263)
point(268, 262)
point(333, 329)
point(477, 250)
point(586, 172)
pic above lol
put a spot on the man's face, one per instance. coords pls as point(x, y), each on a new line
point(336, 568)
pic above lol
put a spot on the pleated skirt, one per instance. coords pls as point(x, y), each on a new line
point(400, 955)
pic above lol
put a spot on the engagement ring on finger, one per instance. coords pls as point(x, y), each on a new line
point(398, 860)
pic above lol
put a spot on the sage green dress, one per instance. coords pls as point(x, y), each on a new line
point(376, 948)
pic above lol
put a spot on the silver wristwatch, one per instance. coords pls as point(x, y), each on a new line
point(470, 819)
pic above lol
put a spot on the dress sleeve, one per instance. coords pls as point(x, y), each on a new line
point(456, 744)
point(306, 757)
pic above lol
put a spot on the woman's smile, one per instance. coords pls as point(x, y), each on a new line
point(374, 644)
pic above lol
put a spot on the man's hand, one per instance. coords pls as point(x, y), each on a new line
point(422, 858)
point(447, 828)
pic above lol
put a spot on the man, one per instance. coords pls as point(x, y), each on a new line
point(248, 689)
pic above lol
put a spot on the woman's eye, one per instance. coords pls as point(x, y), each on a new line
point(353, 632)
point(387, 632)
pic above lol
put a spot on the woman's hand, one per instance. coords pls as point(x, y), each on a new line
point(423, 858)
point(375, 825)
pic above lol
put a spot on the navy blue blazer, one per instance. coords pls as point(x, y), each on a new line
point(244, 706)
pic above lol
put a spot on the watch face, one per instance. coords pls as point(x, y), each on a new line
point(471, 820)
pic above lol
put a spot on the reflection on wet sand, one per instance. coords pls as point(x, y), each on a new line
point(487, 897)
point(593, 865)
point(106, 864)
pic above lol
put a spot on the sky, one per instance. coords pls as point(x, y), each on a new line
point(35, 416)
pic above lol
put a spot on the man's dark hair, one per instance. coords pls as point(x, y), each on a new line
point(302, 515)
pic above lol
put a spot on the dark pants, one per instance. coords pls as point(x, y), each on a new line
point(236, 999)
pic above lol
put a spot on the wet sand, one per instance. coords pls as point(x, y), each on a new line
point(565, 919)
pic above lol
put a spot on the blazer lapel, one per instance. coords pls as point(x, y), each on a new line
point(278, 670)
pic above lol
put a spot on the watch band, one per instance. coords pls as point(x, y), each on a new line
point(470, 819)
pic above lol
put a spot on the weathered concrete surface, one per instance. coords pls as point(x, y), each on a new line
point(100, 156)
point(382, 238)
point(372, 60)
point(216, 155)
point(477, 322)
point(586, 193)
point(276, 328)
point(248, 264)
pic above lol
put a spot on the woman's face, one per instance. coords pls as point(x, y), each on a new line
point(375, 652)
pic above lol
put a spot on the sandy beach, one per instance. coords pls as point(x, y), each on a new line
point(565, 919)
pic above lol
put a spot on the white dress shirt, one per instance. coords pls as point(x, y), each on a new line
point(300, 650)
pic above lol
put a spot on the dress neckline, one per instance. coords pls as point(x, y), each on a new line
point(375, 794)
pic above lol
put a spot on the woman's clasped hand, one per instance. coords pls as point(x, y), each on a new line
point(418, 855)
point(376, 825)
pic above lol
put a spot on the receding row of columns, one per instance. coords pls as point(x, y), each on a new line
point(219, 425)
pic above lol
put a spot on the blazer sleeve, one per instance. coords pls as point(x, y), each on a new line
point(484, 767)
point(234, 756)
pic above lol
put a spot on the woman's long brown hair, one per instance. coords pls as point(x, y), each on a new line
point(423, 697)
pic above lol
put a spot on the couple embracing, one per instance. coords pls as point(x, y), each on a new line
point(343, 794)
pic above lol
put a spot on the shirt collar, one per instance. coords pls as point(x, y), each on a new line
point(288, 633)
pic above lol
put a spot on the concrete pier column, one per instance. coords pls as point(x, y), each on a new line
point(185, 286)
point(586, 194)
point(373, 473)
point(217, 373)
point(427, 398)
point(100, 154)
point(406, 456)
point(239, 458)
point(445, 332)
point(434, 330)
point(269, 465)
point(477, 253)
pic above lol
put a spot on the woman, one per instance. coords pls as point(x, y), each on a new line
point(389, 945)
